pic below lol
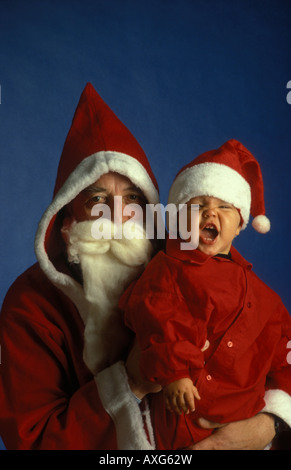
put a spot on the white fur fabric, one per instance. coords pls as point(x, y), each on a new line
point(278, 403)
point(120, 404)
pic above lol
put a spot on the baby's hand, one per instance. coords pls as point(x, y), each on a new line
point(179, 396)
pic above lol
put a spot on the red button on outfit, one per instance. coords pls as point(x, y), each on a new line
point(230, 344)
point(208, 377)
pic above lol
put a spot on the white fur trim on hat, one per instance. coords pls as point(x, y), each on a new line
point(100, 163)
point(213, 179)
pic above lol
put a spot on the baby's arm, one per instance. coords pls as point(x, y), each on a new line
point(180, 396)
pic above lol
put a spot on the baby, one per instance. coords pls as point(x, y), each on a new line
point(211, 333)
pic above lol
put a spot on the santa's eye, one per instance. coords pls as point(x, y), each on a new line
point(97, 199)
point(134, 199)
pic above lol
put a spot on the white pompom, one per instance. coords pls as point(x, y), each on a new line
point(261, 224)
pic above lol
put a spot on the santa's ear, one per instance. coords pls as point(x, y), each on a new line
point(68, 223)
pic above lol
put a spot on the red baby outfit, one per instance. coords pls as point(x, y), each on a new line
point(186, 297)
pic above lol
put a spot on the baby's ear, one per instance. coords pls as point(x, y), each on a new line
point(241, 222)
point(238, 230)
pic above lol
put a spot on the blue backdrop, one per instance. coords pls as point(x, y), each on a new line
point(183, 75)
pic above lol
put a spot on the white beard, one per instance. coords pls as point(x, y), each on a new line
point(108, 267)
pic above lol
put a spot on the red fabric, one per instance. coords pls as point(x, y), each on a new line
point(48, 397)
point(96, 128)
point(236, 156)
point(184, 298)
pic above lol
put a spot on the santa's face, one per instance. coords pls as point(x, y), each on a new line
point(103, 191)
point(219, 224)
point(94, 250)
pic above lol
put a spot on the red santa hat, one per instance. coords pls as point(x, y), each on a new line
point(97, 143)
point(230, 173)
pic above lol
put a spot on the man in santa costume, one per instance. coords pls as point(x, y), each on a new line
point(66, 381)
point(59, 326)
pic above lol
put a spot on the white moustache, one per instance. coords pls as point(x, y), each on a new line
point(127, 242)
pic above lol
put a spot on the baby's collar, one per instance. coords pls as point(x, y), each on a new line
point(173, 248)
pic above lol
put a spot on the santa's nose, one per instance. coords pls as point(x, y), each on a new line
point(117, 209)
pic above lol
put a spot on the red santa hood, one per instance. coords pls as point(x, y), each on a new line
point(97, 143)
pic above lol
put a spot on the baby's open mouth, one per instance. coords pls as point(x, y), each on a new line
point(209, 233)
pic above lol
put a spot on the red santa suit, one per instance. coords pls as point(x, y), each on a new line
point(185, 298)
point(49, 399)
